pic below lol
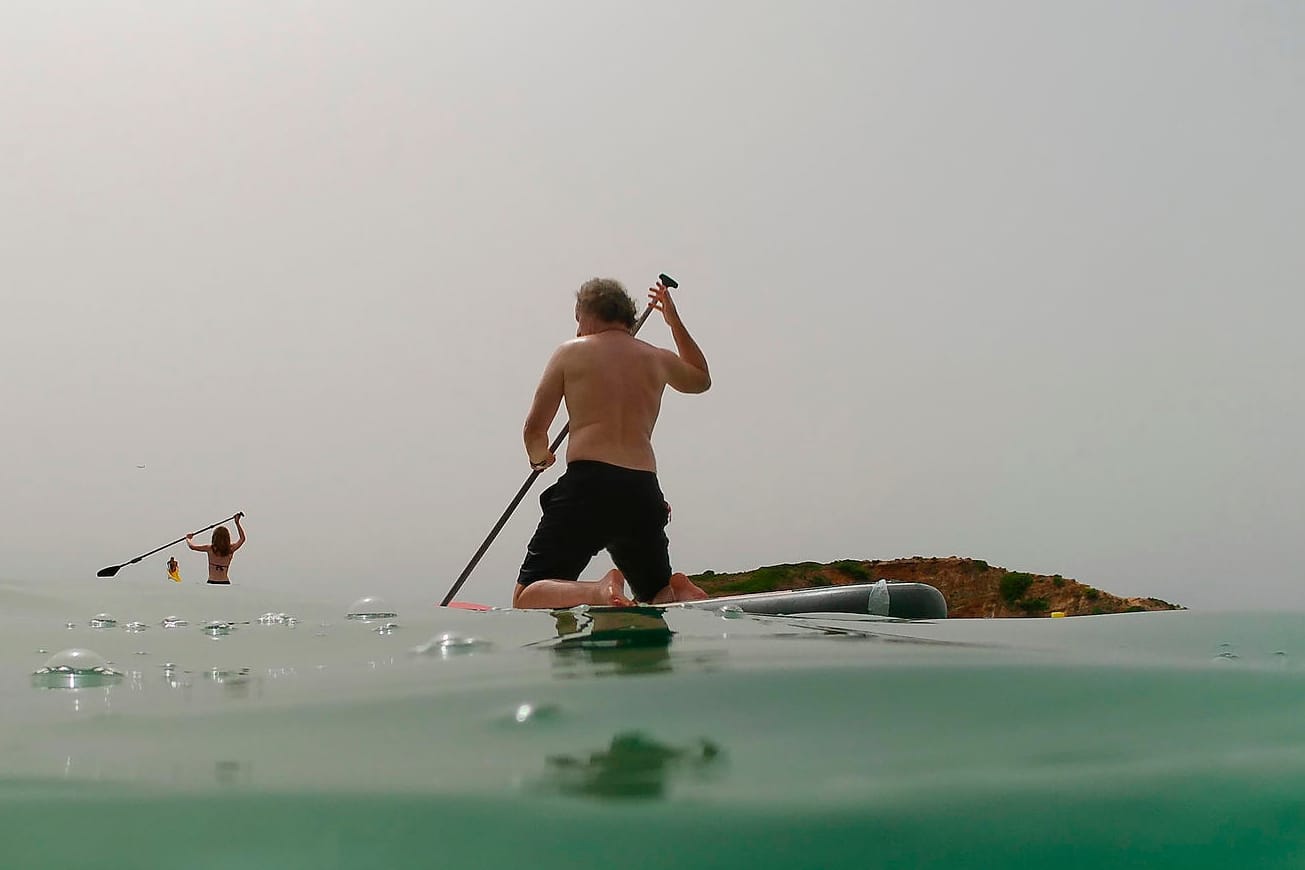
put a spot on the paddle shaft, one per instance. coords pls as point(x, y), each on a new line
point(530, 481)
point(113, 569)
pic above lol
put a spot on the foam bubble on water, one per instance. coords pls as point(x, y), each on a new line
point(370, 607)
point(103, 620)
point(135, 626)
point(732, 611)
point(450, 644)
point(76, 659)
point(386, 628)
point(270, 618)
point(216, 628)
point(174, 622)
point(75, 668)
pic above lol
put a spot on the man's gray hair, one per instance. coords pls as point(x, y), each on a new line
point(607, 300)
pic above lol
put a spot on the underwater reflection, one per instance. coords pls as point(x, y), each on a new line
point(633, 766)
point(594, 641)
point(573, 662)
point(619, 641)
point(610, 627)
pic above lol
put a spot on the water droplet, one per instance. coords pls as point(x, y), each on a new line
point(386, 628)
point(174, 622)
point(370, 607)
point(229, 677)
point(732, 611)
point(216, 628)
point(1226, 656)
point(270, 618)
point(450, 644)
point(135, 626)
point(75, 669)
point(528, 713)
point(103, 620)
point(42, 651)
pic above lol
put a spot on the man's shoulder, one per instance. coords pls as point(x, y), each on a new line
point(588, 347)
point(588, 342)
point(563, 348)
point(571, 345)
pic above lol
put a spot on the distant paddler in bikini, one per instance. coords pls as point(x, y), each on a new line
point(220, 550)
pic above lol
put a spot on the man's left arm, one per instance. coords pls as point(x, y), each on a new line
point(548, 398)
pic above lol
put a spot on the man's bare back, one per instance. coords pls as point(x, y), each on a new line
point(612, 384)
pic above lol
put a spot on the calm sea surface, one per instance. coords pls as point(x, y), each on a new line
point(290, 736)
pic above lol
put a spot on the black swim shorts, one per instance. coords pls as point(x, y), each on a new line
point(594, 506)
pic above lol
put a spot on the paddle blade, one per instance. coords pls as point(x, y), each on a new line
point(108, 572)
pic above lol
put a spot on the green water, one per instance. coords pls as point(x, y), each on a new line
point(1140, 740)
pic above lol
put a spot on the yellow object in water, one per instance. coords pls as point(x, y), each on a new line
point(176, 575)
point(1055, 614)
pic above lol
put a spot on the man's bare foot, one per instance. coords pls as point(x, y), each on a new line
point(685, 589)
point(681, 588)
point(563, 594)
point(611, 590)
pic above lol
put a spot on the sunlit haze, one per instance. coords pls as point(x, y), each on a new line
point(1019, 281)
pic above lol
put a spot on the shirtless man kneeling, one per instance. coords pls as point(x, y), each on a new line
point(609, 496)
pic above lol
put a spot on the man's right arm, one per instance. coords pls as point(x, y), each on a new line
point(688, 368)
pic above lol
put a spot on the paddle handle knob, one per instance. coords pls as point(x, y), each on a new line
point(668, 281)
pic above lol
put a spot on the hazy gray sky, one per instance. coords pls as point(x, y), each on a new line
point(1012, 280)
